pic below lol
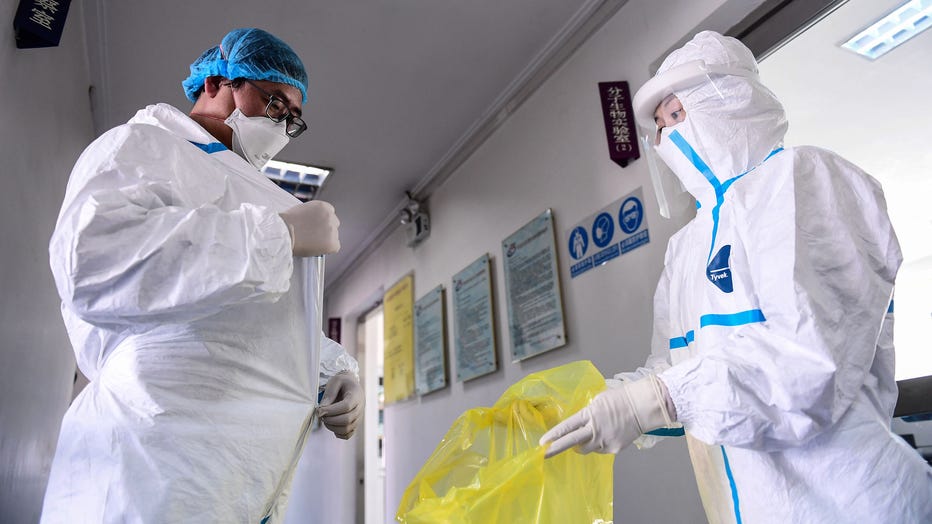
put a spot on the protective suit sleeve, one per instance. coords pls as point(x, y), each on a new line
point(822, 257)
point(138, 239)
point(334, 359)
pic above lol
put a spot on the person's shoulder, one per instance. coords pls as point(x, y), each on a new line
point(140, 137)
point(817, 157)
point(826, 183)
point(801, 166)
point(819, 163)
point(138, 148)
point(157, 121)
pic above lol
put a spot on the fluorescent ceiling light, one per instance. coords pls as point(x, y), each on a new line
point(882, 36)
point(301, 180)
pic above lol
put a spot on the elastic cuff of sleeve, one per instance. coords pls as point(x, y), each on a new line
point(270, 232)
point(668, 401)
point(649, 400)
point(349, 372)
point(269, 250)
point(324, 379)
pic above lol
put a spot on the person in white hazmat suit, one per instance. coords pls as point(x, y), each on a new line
point(188, 302)
point(772, 341)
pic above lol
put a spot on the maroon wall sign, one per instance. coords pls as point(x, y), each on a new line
point(334, 329)
point(619, 122)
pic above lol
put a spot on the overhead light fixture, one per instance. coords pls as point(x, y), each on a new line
point(892, 30)
point(301, 180)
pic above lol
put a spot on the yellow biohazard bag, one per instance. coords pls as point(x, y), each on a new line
point(489, 468)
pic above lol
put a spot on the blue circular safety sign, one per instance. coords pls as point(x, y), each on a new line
point(603, 230)
point(579, 243)
point(631, 215)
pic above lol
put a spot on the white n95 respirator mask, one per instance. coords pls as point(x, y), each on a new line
point(256, 138)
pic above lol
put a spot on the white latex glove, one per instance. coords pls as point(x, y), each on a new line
point(342, 405)
point(614, 419)
point(314, 228)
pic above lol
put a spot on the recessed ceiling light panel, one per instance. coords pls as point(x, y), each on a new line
point(892, 30)
point(301, 180)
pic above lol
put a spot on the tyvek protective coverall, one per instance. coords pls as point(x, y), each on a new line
point(189, 316)
point(773, 311)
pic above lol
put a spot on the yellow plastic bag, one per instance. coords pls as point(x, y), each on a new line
point(489, 468)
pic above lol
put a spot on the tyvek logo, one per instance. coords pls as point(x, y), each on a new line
point(719, 272)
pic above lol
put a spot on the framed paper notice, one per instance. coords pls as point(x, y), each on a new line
point(532, 287)
point(399, 340)
point(473, 320)
point(430, 342)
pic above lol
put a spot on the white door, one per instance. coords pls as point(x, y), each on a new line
point(371, 332)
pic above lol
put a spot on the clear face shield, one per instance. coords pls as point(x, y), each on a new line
point(672, 197)
point(658, 109)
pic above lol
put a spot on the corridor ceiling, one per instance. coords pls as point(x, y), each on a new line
point(401, 91)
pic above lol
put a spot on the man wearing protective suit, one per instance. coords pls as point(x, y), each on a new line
point(190, 305)
point(773, 343)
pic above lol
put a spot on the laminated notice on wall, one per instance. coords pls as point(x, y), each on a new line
point(532, 285)
point(474, 320)
point(399, 340)
point(430, 342)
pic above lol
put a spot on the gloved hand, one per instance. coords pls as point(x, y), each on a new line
point(342, 405)
point(614, 419)
point(314, 228)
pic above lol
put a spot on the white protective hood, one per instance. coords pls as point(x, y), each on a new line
point(732, 121)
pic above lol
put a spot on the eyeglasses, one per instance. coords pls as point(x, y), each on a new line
point(277, 111)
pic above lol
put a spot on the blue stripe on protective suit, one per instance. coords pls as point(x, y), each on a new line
point(667, 432)
point(681, 342)
point(210, 148)
point(703, 168)
point(734, 488)
point(680, 142)
point(695, 159)
point(734, 319)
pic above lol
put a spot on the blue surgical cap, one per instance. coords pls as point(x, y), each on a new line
point(248, 53)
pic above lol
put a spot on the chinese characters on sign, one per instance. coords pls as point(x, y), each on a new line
point(430, 348)
point(535, 306)
point(619, 122)
point(474, 321)
point(609, 233)
point(39, 23)
point(399, 340)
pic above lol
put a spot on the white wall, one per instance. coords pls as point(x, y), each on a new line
point(880, 137)
point(551, 153)
point(45, 126)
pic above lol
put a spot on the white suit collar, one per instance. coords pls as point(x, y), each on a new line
point(173, 120)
